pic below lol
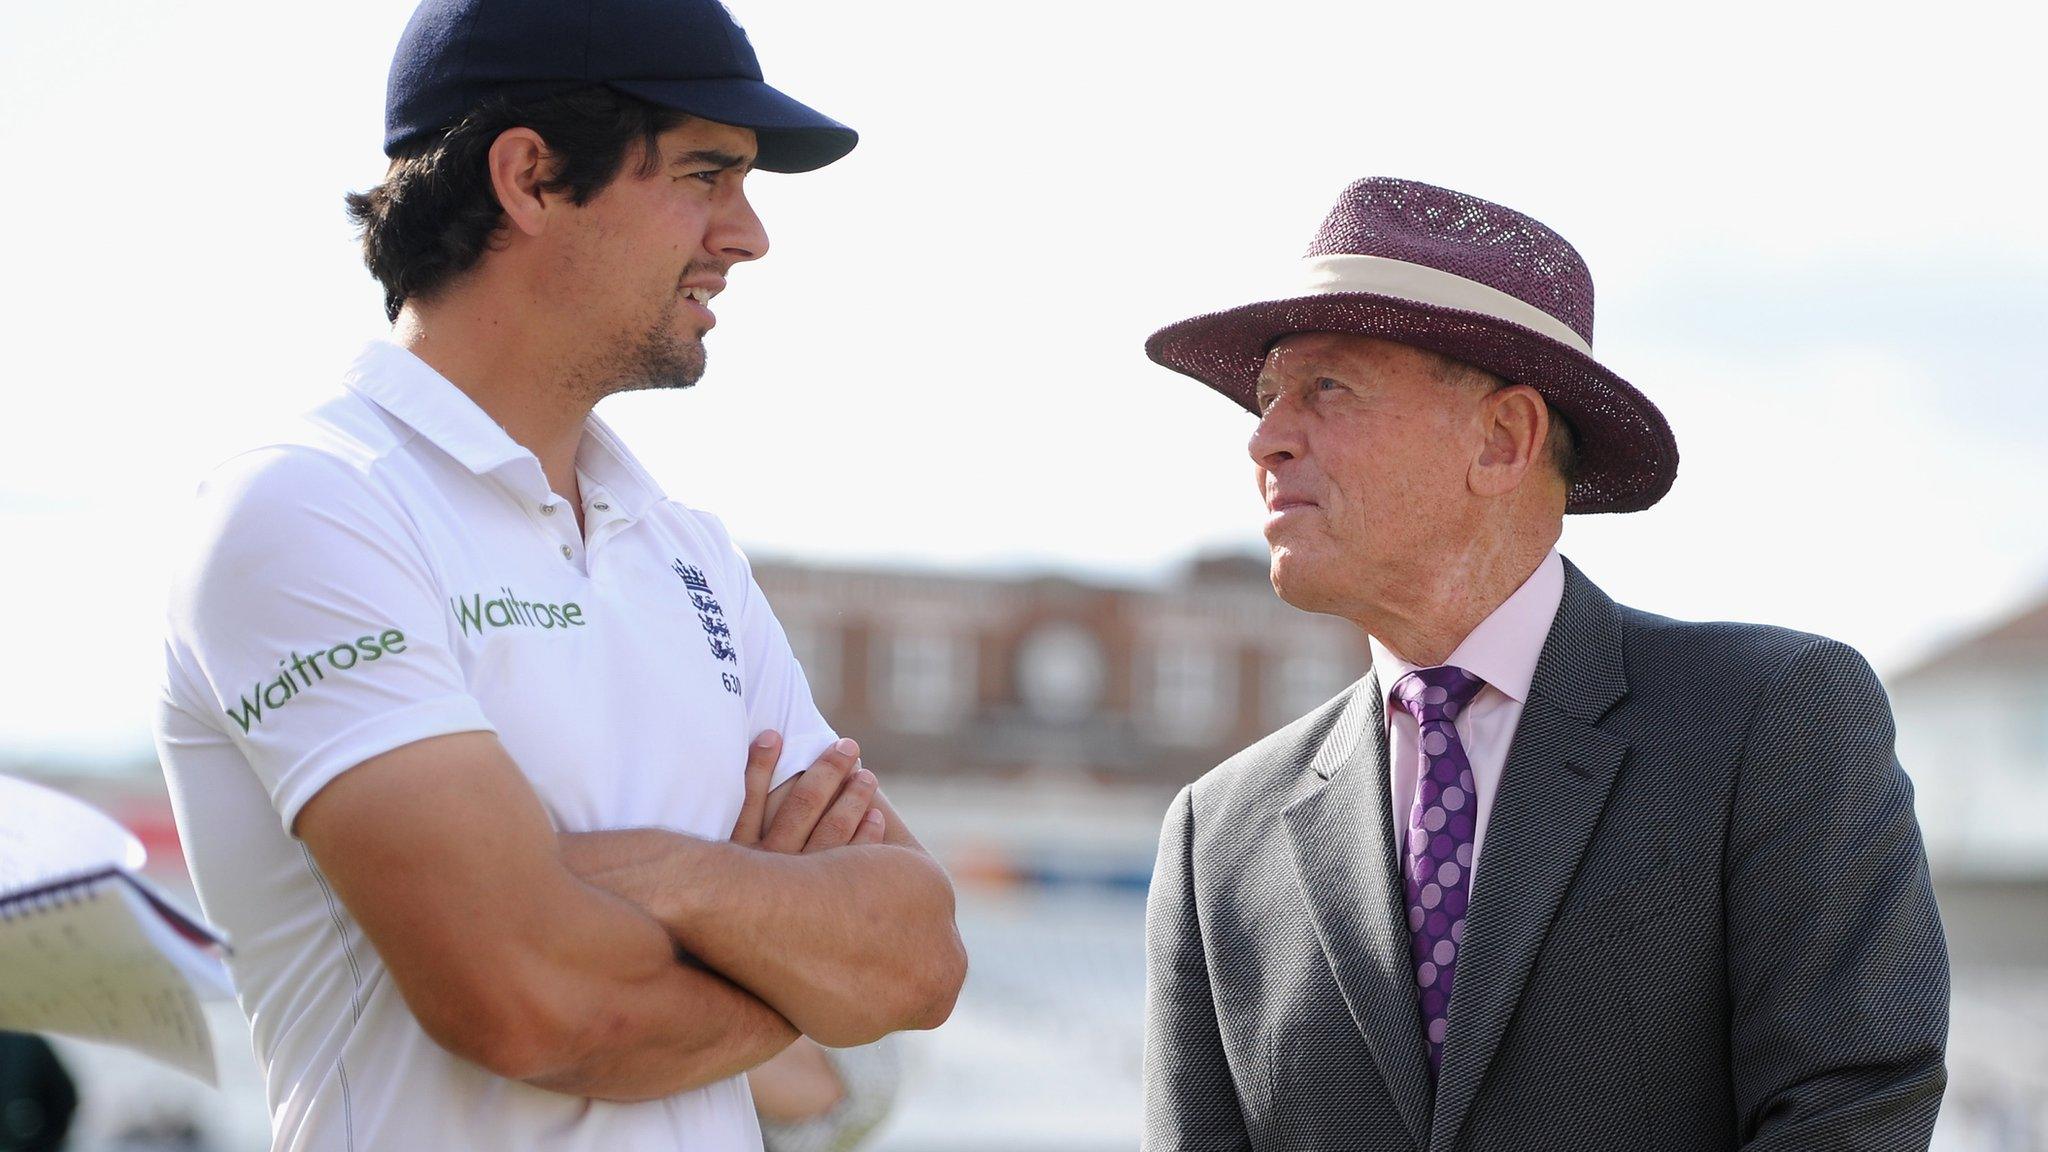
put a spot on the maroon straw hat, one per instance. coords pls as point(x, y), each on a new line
point(1471, 280)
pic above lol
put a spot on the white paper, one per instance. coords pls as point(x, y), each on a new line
point(90, 949)
point(45, 835)
point(100, 963)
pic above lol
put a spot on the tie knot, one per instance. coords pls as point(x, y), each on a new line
point(1431, 694)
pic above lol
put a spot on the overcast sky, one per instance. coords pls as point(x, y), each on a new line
point(1816, 233)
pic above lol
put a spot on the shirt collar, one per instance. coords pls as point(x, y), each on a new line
point(405, 386)
point(604, 461)
point(1504, 648)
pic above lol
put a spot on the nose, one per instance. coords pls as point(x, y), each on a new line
point(1277, 439)
point(737, 234)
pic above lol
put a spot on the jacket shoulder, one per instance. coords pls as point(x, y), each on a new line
point(1723, 655)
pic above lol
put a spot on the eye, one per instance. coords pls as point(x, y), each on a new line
point(1325, 384)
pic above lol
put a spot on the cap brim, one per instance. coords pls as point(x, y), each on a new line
point(790, 136)
point(1627, 455)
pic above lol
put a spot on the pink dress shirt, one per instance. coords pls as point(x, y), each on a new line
point(1502, 651)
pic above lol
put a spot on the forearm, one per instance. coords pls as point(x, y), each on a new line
point(848, 944)
point(630, 863)
point(617, 1016)
point(677, 1029)
point(444, 855)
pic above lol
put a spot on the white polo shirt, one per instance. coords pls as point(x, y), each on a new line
point(395, 567)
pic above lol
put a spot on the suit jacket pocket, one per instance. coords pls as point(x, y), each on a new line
point(1629, 906)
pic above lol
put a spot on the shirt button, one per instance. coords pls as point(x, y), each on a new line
point(547, 509)
point(567, 553)
point(601, 506)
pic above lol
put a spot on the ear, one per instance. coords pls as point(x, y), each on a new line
point(518, 163)
point(1513, 422)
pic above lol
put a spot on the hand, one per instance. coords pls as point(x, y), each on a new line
point(829, 805)
point(796, 1085)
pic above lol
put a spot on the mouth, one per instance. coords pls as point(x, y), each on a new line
point(698, 298)
point(1278, 503)
point(1283, 510)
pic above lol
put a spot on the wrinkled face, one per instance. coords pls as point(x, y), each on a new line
point(642, 259)
point(1362, 454)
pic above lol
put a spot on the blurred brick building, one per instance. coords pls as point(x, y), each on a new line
point(1000, 678)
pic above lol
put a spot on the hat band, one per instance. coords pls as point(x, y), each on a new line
point(1385, 276)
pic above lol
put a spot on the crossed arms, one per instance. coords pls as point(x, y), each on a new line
point(631, 965)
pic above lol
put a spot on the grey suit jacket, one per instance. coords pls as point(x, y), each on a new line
point(1703, 919)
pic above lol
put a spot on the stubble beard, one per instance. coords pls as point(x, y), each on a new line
point(661, 359)
point(655, 357)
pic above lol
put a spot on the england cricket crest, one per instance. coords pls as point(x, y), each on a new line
point(717, 632)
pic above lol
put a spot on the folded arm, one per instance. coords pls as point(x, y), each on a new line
point(848, 943)
point(444, 855)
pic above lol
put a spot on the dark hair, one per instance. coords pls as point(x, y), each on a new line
point(435, 213)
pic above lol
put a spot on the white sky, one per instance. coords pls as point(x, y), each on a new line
point(1816, 229)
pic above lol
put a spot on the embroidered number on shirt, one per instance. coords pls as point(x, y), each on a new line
point(716, 631)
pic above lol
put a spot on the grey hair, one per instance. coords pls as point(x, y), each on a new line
point(1561, 444)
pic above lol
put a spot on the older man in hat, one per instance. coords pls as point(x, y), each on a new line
point(1705, 922)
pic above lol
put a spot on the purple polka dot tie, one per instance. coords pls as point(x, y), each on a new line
point(1439, 850)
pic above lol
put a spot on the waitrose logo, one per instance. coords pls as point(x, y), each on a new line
point(302, 672)
point(477, 615)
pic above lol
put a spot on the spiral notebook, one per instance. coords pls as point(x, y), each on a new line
point(88, 947)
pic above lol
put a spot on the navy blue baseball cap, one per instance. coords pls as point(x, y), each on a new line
point(687, 55)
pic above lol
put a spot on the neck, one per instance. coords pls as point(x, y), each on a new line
point(1427, 610)
point(512, 371)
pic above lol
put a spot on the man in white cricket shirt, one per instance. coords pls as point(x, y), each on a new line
point(489, 755)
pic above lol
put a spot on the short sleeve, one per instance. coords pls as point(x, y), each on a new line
point(776, 692)
point(308, 626)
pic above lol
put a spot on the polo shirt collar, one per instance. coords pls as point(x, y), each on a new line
point(1504, 648)
point(424, 400)
point(405, 386)
point(605, 463)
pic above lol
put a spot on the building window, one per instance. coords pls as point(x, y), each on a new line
point(927, 680)
point(817, 648)
point(1194, 692)
point(1061, 673)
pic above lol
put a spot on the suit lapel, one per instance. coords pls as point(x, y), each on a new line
point(1559, 771)
point(1344, 851)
